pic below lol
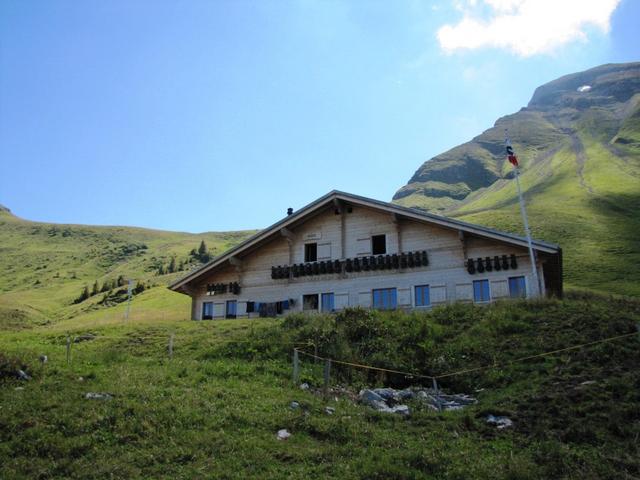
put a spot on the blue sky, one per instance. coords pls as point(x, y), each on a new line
point(218, 115)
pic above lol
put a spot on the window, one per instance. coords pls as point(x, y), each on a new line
point(310, 302)
point(481, 291)
point(207, 310)
point(328, 302)
point(422, 296)
point(385, 298)
point(378, 244)
point(517, 287)
point(232, 308)
point(310, 252)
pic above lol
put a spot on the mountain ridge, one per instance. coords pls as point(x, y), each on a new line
point(578, 144)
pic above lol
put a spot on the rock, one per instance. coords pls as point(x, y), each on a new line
point(499, 421)
point(44, 358)
point(401, 409)
point(283, 434)
point(329, 410)
point(22, 375)
point(304, 386)
point(294, 405)
point(98, 396)
point(369, 397)
point(84, 337)
point(386, 393)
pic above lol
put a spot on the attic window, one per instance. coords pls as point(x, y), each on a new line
point(378, 244)
point(310, 252)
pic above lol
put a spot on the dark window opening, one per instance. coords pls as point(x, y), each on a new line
point(310, 252)
point(379, 244)
point(310, 302)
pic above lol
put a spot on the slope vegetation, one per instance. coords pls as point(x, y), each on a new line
point(578, 142)
point(44, 267)
point(213, 409)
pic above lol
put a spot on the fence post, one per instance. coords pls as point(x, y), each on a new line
point(171, 345)
point(296, 367)
point(68, 349)
point(327, 372)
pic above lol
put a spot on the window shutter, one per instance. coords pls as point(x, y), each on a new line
point(499, 288)
point(363, 246)
point(242, 308)
point(438, 293)
point(404, 296)
point(341, 301)
point(464, 291)
point(364, 299)
point(218, 309)
point(324, 251)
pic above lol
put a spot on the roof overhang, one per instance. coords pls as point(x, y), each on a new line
point(336, 196)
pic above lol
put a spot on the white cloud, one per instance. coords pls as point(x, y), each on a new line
point(525, 27)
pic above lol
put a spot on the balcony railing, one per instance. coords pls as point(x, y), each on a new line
point(357, 264)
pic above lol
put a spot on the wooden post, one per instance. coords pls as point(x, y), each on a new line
point(327, 372)
point(296, 367)
point(68, 349)
point(171, 345)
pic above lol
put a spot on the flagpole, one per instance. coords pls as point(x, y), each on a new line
point(535, 291)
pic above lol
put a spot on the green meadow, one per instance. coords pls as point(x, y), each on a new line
point(213, 409)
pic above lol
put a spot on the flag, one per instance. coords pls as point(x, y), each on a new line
point(511, 156)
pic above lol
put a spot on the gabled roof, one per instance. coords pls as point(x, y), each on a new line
point(349, 198)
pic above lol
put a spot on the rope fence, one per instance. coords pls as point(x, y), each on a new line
point(434, 378)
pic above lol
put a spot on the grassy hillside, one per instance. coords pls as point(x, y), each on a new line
point(44, 267)
point(213, 410)
point(580, 156)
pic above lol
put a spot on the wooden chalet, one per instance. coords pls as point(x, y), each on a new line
point(344, 250)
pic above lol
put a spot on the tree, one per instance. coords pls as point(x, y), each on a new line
point(172, 265)
point(83, 296)
point(121, 281)
point(202, 250)
point(139, 288)
point(95, 289)
point(161, 270)
point(181, 266)
point(105, 286)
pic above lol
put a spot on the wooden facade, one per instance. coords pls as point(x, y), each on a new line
point(347, 250)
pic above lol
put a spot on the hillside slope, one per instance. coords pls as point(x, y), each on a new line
point(578, 142)
point(44, 267)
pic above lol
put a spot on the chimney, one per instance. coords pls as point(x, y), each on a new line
point(289, 211)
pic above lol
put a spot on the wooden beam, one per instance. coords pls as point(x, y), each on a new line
point(463, 240)
point(288, 234)
point(397, 219)
point(236, 262)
